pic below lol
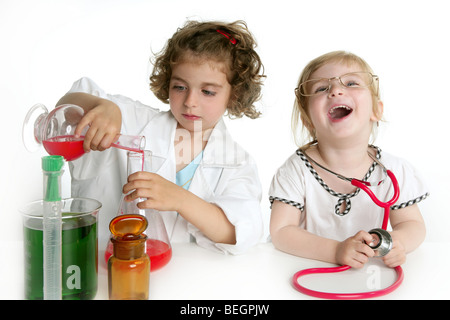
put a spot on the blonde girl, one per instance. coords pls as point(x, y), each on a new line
point(314, 213)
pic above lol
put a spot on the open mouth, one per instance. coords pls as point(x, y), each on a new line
point(339, 112)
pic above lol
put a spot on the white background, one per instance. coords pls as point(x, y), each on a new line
point(47, 45)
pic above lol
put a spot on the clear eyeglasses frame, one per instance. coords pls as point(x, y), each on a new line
point(315, 87)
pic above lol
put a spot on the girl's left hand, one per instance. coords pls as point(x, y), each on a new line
point(160, 194)
point(396, 256)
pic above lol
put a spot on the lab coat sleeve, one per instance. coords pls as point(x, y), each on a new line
point(90, 166)
point(238, 194)
point(135, 116)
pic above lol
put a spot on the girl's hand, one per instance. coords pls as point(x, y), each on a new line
point(163, 195)
point(160, 194)
point(396, 256)
point(104, 121)
point(354, 251)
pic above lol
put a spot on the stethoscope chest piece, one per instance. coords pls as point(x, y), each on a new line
point(381, 243)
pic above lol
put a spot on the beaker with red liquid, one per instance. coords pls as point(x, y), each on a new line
point(157, 245)
point(55, 131)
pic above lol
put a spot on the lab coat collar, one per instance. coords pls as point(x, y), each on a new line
point(220, 151)
point(160, 133)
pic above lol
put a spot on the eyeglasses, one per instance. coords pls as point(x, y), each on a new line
point(349, 80)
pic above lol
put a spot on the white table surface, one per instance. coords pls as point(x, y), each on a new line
point(263, 273)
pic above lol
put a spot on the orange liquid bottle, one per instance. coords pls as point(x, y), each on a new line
point(129, 266)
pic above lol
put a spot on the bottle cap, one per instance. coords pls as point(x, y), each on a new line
point(128, 224)
point(52, 163)
point(128, 238)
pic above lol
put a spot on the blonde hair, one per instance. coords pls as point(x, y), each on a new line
point(229, 43)
point(300, 109)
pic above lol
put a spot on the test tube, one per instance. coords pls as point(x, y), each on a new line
point(130, 143)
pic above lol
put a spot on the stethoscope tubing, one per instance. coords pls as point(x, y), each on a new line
point(343, 296)
point(386, 205)
point(358, 295)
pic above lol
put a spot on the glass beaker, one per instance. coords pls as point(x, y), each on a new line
point(158, 246)
point(79, 248)
point(55, 131)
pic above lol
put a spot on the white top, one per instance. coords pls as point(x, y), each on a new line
point(226, 176)
point(298, 184)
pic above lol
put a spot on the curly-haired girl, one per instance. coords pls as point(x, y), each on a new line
point(205, 184)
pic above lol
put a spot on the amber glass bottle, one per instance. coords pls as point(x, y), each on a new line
point(129, 266)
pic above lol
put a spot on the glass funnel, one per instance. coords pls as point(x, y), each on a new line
point(158, 246)
point(55, 131)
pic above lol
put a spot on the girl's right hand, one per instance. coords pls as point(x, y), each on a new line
point(103, 122)
point(354, 251)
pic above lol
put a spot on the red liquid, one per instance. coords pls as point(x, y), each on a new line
point(67, 146)
point(71, 148)
point(158, 251)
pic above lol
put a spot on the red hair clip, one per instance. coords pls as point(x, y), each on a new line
point(227, 35)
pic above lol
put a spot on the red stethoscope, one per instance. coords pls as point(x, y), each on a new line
point(364, 185)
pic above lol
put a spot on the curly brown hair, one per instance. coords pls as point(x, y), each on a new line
point(230, 43)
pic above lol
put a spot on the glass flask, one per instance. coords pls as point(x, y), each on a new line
point(157, 245)
point(79, 248)
point(55, 131)
point(129, 266)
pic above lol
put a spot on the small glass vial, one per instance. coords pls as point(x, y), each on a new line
point(129, 266)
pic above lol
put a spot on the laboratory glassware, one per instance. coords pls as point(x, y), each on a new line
point(52, 223)
point(55, 131)
point(79, 248)
point(129, 266)
point(158, 246)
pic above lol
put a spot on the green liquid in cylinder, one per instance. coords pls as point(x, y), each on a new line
point(79, 258)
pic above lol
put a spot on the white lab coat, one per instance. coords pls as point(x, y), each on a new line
point(227, 176)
